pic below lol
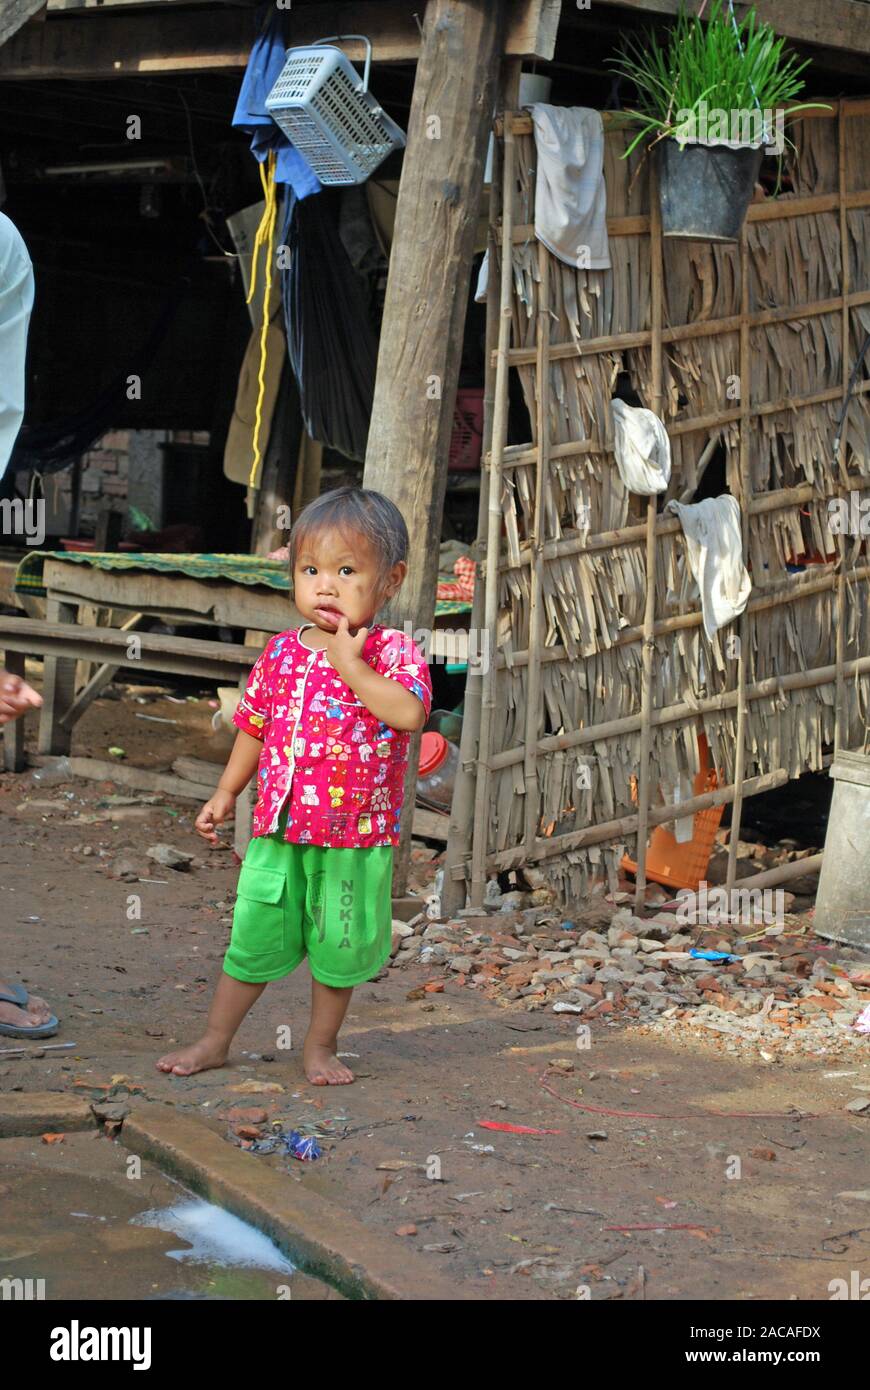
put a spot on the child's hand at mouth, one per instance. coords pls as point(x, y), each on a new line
point(344, 650)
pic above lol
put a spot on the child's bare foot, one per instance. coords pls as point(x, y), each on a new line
point(199, 1056)
point(322, 1067)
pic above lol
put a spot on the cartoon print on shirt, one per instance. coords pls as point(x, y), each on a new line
point(317, 734)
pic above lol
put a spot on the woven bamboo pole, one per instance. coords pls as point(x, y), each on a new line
point(626, 825)
point(494, 523)
point(744, 497)
point(675, 714)
point(520, 454)
point(649, 617)
point(521, 122)
point(690, 332)
point(842, 548)
point(460, 831)
point(670, 526)
point(782, 591)
point(533, 686)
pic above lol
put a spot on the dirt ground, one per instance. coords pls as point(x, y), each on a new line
point(729, 1171)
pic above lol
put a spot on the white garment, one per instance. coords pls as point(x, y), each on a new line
point(570, 197)
point(482, 279)
point(642, 448)
point(16, 302)
point(715, 550)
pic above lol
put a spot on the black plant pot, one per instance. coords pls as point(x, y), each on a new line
point(704, 190)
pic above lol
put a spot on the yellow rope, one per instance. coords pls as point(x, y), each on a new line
point(265, 237)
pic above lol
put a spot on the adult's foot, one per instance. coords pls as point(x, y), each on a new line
point(33, 1015)
point(322, 1067)
point(199, 1056)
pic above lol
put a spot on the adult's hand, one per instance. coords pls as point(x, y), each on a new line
point(16, 696)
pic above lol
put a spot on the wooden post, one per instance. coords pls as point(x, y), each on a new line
point(494, 525)
point(58, 685)
point(460, 833)
point(644, 781)
point(744, 497)
point(536, 577)
point(427, 293)
point(840, 461)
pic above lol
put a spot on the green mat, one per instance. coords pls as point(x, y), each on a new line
point(239, 569)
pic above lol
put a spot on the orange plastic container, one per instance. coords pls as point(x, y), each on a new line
point(684, 866)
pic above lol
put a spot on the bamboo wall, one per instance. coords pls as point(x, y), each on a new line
point(601, 660)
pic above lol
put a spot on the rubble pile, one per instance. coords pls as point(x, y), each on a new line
point(786, 991)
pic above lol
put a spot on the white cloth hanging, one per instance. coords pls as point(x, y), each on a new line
point(16, 302)
point(570, 196)
point(642, 448)
point(715, 550)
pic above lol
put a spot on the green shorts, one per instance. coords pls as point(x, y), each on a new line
point(332, 905)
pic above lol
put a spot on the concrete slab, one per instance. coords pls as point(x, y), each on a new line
point(35, 1112)
point(319, 1237)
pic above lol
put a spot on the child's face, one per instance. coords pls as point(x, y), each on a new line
point(337, 574)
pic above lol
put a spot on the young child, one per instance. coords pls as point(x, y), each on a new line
point(327, 715)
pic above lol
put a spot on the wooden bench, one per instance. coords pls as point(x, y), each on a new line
point(62, 644)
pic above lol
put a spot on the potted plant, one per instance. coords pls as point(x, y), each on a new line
point(711, 100)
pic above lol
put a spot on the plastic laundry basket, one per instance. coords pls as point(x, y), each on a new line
point(327, 111)
point(685, 865)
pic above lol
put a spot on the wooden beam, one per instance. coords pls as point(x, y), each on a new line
point(123, 42)
point(826, 23)
point(427, 292)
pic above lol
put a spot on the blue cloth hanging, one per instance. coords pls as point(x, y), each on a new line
point(264, 67)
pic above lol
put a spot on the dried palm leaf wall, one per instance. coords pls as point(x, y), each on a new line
point(602, 675)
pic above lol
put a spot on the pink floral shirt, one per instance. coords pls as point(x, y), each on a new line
point(342, 770)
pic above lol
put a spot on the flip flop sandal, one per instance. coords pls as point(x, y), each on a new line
point(17, 995)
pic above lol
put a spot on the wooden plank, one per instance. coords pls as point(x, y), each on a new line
point(101, 43)
point(64, 641)
point(177, 598)
point(429, 825)
point(199, 770)
point(137, 778)
point(427, 297)
point(174, 597)
point(828, 23)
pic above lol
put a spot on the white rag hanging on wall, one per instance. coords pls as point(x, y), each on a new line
point(570, 196)
point(642, 448)
point(715, 550)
